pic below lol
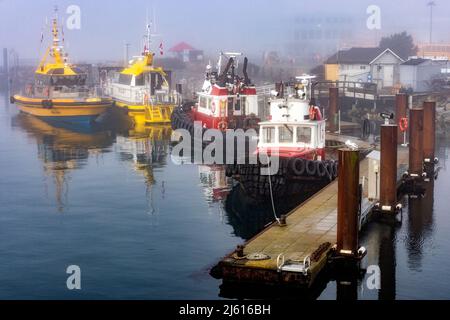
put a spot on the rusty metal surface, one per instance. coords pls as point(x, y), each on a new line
point(416, 141)
point(388, 166)
point(348, 200)
point(401, 106)
point(429, 129)
point(333, 108)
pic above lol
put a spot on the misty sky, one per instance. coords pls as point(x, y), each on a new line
point(250, 26)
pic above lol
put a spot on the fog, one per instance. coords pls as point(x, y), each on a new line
point(251, 26)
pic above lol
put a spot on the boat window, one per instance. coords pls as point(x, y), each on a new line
point(125, 79)
point(202, 102)
point(285, 134)
point(268, 135)
point(68, 81)
point(56, 71)
point(243, 102)
point(237, 107)
point(304, 134)
point(139, 80)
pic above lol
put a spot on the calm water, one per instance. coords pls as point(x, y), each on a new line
point(141, 227)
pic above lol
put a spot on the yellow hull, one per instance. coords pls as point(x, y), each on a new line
point(142, 114)
point(87, 109)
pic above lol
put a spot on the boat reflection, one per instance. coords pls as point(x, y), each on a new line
point(145, 147)
point(216, 185)
point(63, 147)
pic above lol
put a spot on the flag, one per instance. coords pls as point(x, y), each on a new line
point(161, 50)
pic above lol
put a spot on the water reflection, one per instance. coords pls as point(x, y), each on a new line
point(420, 226)
point(216, 185)
point(145, 148)
point(62, 148)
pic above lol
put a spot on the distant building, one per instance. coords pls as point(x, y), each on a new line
point(315, 35)
point(186, 52)
point(376, 65)
point(421, 75)
point(434, 51)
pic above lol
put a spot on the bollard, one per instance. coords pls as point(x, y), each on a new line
point(240, 251)
point(348, 202)
point(333, 108)
point(416, 142)
point(388, 170)
point(401, 106)
point(429, 131)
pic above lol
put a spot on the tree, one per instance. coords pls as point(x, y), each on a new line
point(401, 43)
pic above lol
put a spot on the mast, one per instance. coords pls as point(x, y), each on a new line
point(56, 50)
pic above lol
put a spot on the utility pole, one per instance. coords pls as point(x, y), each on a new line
point(431, 4)
point(127, 47)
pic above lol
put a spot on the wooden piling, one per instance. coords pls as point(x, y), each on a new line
point(429, 130)
point(333, 109)
point(401, 107)
point(388, 170)
point(416, 141)
point(348, 202)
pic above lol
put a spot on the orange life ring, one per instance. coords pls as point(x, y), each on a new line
point(311, 113)
point(403, 124)
point(222, 125)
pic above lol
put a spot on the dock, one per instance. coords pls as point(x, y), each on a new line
point(296, 253)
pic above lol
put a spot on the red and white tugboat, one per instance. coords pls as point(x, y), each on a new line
point(295, 133)
point(226, 100)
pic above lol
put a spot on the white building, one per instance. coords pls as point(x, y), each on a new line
point(377, 65)
point(421, 75)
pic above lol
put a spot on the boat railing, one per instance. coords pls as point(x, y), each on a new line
point(140, 96)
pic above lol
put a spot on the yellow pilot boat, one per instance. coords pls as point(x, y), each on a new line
point(142, 91)
point(59, 90)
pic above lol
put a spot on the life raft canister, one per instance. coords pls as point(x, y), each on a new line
point(403, 124)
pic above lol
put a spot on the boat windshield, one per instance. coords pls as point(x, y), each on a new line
point(268, 134)
point(304, 135)
point(286, 134)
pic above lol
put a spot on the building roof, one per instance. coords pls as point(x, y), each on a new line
point(358, 55)
point(414, 62)
point(182, 46)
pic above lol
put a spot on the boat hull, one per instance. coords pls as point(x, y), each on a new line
point(63, 109)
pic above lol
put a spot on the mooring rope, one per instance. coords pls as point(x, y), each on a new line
point(271, 196)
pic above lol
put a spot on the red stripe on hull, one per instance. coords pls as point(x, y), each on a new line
point(289, 152)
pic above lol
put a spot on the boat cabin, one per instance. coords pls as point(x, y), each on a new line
point(295, 125)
